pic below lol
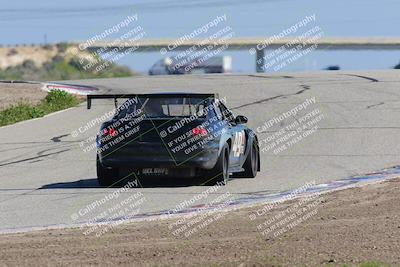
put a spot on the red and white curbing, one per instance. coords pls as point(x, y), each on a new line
point(69, 88)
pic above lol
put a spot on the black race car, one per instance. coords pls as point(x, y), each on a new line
point(174, 135)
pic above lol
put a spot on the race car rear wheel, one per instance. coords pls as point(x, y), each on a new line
point(220, 172)
point(105, 176)
point(250, 166)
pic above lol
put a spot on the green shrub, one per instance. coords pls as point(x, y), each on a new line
point(57, 100)
point(19, 112)
point(54, 101)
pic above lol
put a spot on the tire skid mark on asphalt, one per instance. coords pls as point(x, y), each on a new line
point(270, 77)
point(42, 160)
point(303, 86)
point(363, 77)
point(39, 154)
point(40, 142)
point(21, 155)
point(34, 157)
point(375, 105)
point(34, 145)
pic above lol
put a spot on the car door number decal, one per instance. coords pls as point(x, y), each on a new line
point(238, 143)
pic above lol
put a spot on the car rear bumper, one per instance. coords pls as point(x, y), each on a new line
point(147, 155)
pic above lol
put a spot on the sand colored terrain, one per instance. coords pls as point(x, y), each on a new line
point(13, 93)
point(13, 56)
point(351, 226)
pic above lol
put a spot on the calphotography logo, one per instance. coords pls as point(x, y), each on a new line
point(97, 53)
point(113, 209)
point(303, 207)
point(297, 127)
point(291, 50)
point(195, 33)
point(286, 32)
point(205, 214)
point(199, 49)
point(107, 32)
point(200, 133)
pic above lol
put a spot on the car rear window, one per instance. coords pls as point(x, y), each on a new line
point(164, 107)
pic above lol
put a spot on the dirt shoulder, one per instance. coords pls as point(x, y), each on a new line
point(13, 93)
point(349, 227)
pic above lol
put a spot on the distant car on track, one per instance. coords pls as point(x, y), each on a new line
point(186, 65)
point(175, 135)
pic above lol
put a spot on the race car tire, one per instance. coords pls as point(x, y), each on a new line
point(105, 176)
point(251, 165)
point(220, 173)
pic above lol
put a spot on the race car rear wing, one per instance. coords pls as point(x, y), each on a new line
point(127, 96)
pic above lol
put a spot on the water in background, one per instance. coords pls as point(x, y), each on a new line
point(26, 22)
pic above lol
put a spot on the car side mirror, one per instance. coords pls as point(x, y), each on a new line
point(240, 119)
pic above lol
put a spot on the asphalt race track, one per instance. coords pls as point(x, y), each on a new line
point(46, 177)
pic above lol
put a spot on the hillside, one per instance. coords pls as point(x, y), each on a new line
point(53, 62)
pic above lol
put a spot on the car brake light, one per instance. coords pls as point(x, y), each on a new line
point(199, 131)
point(111, 132)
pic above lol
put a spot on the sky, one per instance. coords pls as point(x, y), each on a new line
point(39, 21)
